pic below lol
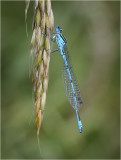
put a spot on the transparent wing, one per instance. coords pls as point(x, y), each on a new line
point(67, 83)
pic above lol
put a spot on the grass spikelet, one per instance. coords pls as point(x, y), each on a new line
point(26, 7)
point(27, 2)
point(40, 49)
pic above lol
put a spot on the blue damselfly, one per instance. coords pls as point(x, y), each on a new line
point(70, 82)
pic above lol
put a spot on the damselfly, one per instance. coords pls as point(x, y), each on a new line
point(70, 83)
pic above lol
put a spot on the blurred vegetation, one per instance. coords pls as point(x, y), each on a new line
point(92, 30)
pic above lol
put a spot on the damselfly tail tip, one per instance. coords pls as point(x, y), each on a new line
point(80, 130)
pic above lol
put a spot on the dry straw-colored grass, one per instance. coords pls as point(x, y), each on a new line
point(40, 49)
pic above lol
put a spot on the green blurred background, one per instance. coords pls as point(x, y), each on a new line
point(92, 30)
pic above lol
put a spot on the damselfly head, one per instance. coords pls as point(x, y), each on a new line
point(58, 29)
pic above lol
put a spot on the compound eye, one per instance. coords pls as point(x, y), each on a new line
point(58, 29)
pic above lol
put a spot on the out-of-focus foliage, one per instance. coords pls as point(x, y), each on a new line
point(92, 32)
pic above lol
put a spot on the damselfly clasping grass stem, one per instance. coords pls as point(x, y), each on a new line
point(43, 24)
